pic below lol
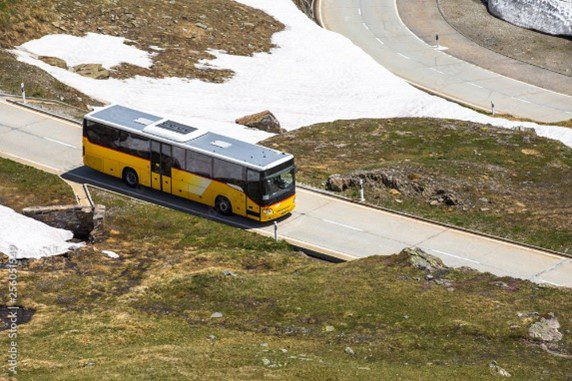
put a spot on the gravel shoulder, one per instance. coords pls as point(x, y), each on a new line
point(472, 20)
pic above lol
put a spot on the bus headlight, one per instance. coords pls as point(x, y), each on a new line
point(268, 211)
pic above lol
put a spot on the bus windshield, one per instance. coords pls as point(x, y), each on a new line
point(278, 183)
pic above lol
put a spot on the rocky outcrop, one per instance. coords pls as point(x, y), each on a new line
point(85, 222)
point(398, 183)
point(423, 261)
point(53, 61)
point(547, 16)
point(265, 121)
point(95, 71)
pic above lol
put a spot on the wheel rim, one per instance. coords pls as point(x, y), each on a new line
point(131, 178)
point(223, 206)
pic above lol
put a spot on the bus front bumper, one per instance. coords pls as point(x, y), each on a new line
point(278, 210)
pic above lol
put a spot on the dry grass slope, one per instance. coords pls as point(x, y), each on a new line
point(148, 314)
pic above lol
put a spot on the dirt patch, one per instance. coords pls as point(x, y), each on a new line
point(472, 19)
point(14, 314)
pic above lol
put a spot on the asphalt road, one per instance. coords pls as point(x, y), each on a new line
point(376, 27)
point(321, 223)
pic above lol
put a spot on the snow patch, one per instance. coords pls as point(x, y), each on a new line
point(93, 48)
point(23, 237)
point(110, 254)
point(313, 76)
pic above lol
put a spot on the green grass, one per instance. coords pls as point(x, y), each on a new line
point(22, 186)
point(510, 169)
point(147, 315)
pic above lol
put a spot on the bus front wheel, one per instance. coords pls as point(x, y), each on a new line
point(223, 206)
point(130, 177)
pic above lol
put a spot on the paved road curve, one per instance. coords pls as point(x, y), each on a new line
point(321, 223)
point(376, 27)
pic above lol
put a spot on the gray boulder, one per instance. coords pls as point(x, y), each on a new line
point(420, 259)
point(265, 121)
point(546, 330)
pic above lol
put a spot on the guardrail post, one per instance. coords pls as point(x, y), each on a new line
point(275, 231)
point(23, 88)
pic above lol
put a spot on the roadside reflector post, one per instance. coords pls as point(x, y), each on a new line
point(492, 108)
point(361, 193)
point(23, 88)
point(275, 231)
point(437, 40)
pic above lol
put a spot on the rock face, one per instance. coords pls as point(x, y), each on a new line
point(398, 183)
point(546, 330)
point(95, 71)
point(548, 16)
point(265, 121)
point(86, 223)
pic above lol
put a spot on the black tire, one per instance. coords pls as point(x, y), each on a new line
point(130, 177)
point(223, 206)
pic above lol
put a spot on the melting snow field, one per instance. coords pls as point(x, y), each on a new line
point(312, 76)
point(93, 48)
point(23, 237)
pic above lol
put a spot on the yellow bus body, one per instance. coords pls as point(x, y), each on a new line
point(182, 183)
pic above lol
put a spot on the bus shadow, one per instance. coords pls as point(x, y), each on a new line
point(86, 175)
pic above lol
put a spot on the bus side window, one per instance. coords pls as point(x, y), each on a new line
point(199, 164)
point(228, 172)
point(178, 157)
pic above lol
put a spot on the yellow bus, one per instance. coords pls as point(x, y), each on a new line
point(230, 175)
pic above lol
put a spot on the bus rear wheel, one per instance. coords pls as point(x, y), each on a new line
point(130, 177)
point(223, 206)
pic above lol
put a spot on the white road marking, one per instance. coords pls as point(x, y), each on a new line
point(436, 71)
point(521, 100)
point(359, 11)
point(58, 142)
point(342, 225)
point(454, 256)
point(379, 40)
point(472, 84)
point(568, 112)
point(365, 25)
point(404, 56)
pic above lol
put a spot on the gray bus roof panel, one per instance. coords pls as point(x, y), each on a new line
point(209, 142)
point(126, 117)
point(224, 146)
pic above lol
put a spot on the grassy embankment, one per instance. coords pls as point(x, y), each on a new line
point(148, 314)
point(511, 184)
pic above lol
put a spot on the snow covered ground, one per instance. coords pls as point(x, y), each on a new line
point(548, 16)
point(312, 76)
point(23, 237)
point(109, 51)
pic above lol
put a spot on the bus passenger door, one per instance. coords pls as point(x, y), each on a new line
point(161, 164)
point(166, 165)
point(156, 165)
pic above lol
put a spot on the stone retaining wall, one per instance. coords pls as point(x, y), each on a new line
point(85, 222)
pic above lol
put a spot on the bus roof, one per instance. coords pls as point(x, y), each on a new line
point(178, 134)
